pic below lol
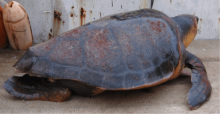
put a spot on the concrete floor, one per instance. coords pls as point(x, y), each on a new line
point(169, 97)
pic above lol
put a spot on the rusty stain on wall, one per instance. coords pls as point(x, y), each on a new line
point(82, 16)
point(219, 22)
point(57, 15)
point(90, 15)
point(218, 27)
point(57, 18)
point(57, 23)
point(50, 35)
point(71, 15)
point(72, 11)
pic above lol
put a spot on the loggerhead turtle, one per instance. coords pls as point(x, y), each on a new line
point(125, 51)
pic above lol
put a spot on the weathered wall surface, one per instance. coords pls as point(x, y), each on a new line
point(50, 18)
point(207, 10)
point(74, 13)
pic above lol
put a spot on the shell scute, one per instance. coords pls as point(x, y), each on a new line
point(64, 72)
point(133, 80)
point(37, 68)
point(68, 53)
point(90, 77)
point(166, 67)
point(44, 48)
point(113, 81)
point(153, 76)
point(102, 52)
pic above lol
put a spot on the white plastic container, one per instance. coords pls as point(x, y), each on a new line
point(17, 26)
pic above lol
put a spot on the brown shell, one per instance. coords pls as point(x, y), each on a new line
point(124, 51)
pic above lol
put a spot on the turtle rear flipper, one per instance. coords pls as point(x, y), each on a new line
point(34, 88)
point(201, 89)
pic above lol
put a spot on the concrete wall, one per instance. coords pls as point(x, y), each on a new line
point(50, 18)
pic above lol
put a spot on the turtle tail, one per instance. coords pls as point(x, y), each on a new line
point(25, 63)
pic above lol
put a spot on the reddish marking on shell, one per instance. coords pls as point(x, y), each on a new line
point(152, 41)
point(128, 48)
point(68, 52)
point(136, 78)
point(111, 69)
point(169, 35)
point(138, 28)
point(44, 48)
point(98, 45)
point(100, 42)
point(156, 26)
point(75, 33)
point(168, 40)
point(125, 39)
point(145, 62)
point(130, 66)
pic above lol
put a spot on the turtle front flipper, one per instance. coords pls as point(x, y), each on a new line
point(34, 88)
point(201, 88)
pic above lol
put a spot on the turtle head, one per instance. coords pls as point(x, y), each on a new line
point(187, 25)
